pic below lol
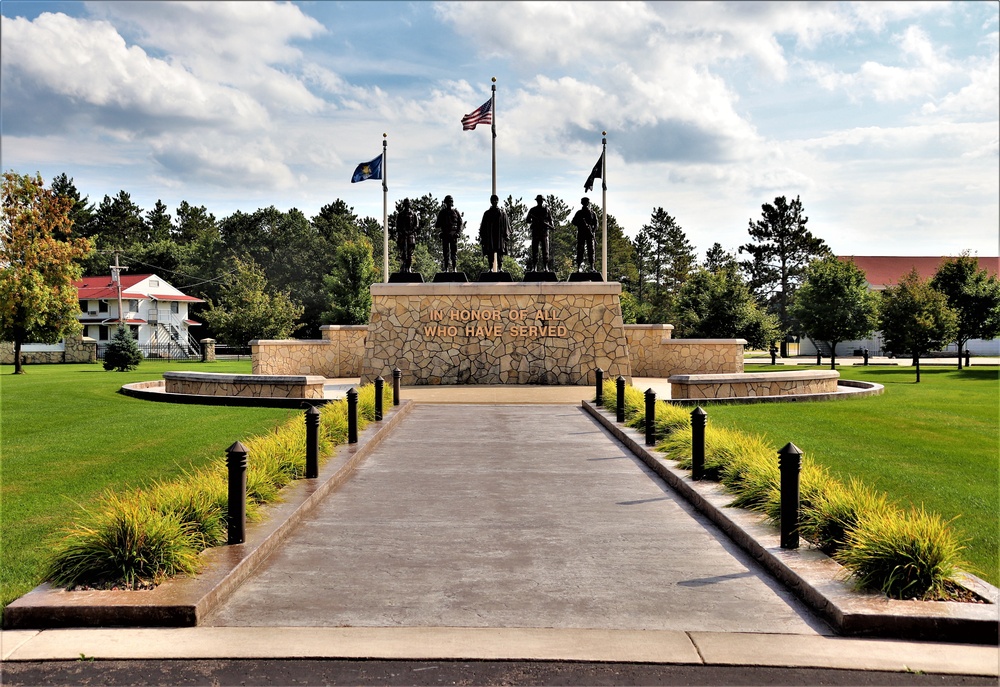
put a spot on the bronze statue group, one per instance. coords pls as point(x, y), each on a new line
point(494, 235)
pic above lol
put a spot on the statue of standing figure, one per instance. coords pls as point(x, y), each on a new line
point(585, 221)
point(407, 226)
point(449, 222)
point(539, 219)
point(494, 232)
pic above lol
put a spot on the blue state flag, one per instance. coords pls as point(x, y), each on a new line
point(368, 170)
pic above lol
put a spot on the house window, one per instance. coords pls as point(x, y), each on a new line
point(154, 282)
point(102, 332)
point(175, 307)
point(83, 306)
point(133, 305)
point(102, 306)
point(135, 331)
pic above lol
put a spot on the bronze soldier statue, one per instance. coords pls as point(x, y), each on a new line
point(585, 221)
point(493, 234)
point(406, 235)
point(540, 220)
point(449, 222)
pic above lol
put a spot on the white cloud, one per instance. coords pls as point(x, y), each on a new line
point(233, 43)
point(88, 64)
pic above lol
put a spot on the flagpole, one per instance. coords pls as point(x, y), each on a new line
point(604, 205)
point(385, 208)
point(493, 127)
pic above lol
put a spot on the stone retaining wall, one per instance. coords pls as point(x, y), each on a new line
point(76, 349)
point(753, 385)
point(253, 386)
point(338, 354)
point(689, 356)
point(496, 333)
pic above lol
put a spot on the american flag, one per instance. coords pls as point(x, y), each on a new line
point(481, 115)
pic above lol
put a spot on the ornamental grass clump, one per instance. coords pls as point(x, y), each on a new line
point(138, 538)
point(911, 555)
point(127, 542)
point(905, 555)
point(834, 511)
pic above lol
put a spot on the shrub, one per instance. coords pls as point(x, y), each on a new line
point(127, 542)
point(140, 538)
point(905, 556)
point(122, 353)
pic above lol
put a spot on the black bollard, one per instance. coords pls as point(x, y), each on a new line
point(650, 417)
point(819, 358)
point(397, 374)
point(620, 403)
point(967, 355)
point(789, 465)
point(699, 418)
point(379, 383)
point(236, 516)
point(774, 355)
point(599, 377)
point(352, 416)
point(312, 443)
point(865, 353)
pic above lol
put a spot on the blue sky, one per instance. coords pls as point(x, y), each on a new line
point(882, 116)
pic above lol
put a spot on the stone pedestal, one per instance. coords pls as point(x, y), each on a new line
point(496, 333)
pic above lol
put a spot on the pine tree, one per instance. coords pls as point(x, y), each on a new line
point(122, 353)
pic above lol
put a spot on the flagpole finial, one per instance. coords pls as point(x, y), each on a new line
point(494, 79)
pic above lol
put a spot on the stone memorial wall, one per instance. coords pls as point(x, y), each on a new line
point(496, 333)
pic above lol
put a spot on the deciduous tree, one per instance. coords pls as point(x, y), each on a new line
point(719, 305)
point(974, 295)
point(247, 310)
point(915, 318)
point(38, 302)
point(834, 303)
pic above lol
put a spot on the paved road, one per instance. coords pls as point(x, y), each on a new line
point(473, 516)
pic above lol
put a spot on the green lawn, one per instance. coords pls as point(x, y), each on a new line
point(66, 436)
point(935, 443)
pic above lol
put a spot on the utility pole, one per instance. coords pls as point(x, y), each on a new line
point(117, 279)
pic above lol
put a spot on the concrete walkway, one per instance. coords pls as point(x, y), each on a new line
point(510, 516)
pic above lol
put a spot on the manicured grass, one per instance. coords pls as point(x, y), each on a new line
point(933, 444)
point(66, 435)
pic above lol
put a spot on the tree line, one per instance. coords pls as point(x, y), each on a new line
point(269, 273)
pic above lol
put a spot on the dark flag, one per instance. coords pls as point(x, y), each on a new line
point(368, 170)
point(597, 173)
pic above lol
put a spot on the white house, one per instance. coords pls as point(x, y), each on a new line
point(881, 271)
point(156, 312)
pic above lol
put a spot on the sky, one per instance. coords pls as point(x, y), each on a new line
point(883, 117)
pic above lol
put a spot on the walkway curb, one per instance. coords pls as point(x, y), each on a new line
point(183, 601)
point(815, 577)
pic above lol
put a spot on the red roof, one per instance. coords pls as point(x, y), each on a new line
point(884, 270)
point(96, 288)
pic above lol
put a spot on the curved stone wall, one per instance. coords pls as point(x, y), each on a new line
point(758, 384)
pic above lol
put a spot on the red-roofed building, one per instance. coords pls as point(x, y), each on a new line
point(887, 270)
point(156, 312)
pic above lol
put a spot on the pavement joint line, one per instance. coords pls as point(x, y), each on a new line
point(811, 575)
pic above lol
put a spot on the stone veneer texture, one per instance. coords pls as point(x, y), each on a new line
point(689, 356)
point(503, 333)
point(208, 384)
point(756, 385)
point(78, 349)
point(338, 354)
